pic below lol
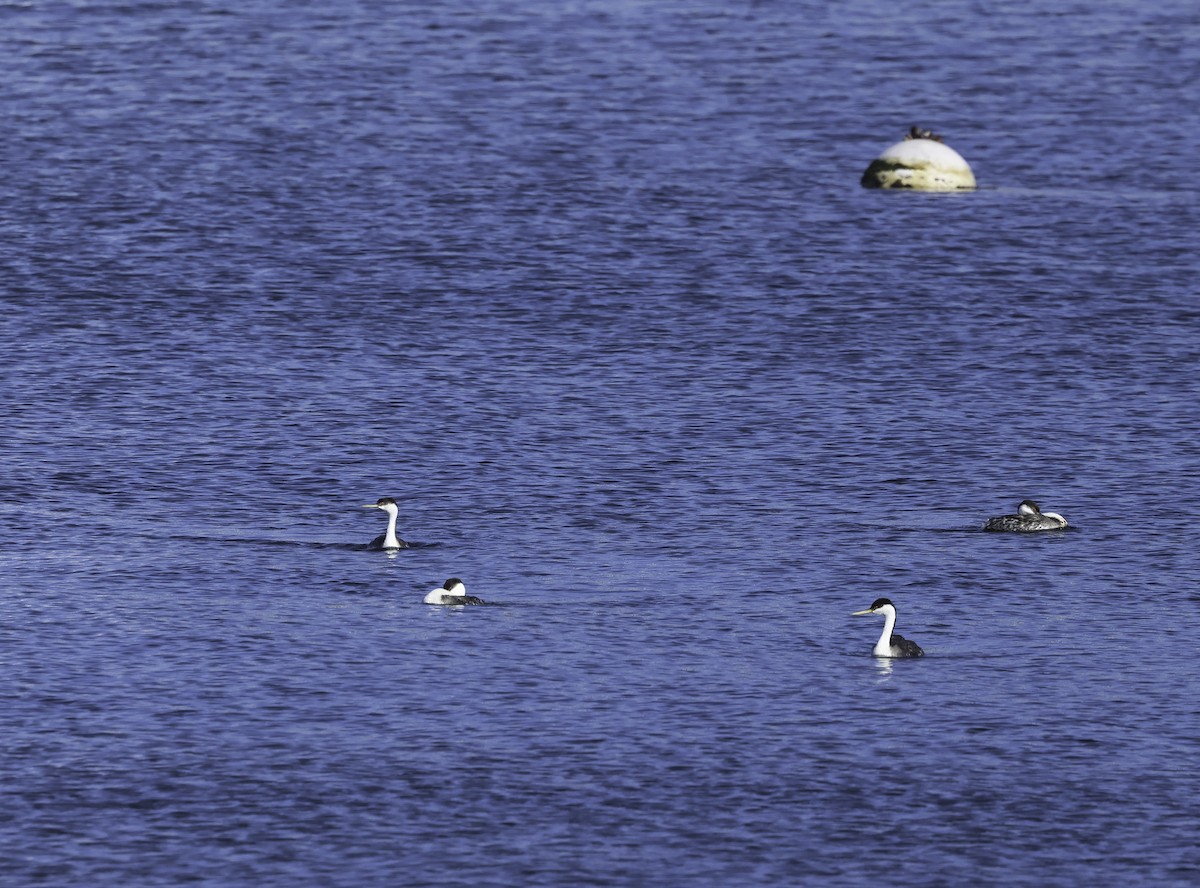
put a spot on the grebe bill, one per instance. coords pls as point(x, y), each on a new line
point(452, 592)
point(1029, 518)
point(889, 644)
point(387, 539)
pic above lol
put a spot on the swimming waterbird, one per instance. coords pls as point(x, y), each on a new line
point(890, 644)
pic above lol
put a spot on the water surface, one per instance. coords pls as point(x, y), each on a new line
point(591, 289)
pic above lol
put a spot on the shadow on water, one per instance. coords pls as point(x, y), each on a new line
point(303, 544)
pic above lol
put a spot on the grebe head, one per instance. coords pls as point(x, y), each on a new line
point(879, 606)
point(455, 586)
point(384, 504)
point(1029, 509)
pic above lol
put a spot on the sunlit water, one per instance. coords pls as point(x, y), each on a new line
point(592, 290)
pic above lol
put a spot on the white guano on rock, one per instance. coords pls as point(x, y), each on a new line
point(921, 163)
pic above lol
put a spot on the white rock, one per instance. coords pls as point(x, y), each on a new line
point(921, 164)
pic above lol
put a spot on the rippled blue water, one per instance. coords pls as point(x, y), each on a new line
point(592, 290)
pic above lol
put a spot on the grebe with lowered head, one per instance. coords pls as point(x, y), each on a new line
point(889, 644)
point(1028, 519)
point(388, 539)
point(453, 591)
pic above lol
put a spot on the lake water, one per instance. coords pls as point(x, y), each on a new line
point(591, 288)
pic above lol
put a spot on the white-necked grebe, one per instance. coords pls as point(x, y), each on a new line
point(388, 539)
point(1028, 519)
point(890, 644)
point(454, 592)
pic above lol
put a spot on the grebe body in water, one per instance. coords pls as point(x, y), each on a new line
point(453, 592)
point(890, 644)
point(1029, 518)
point(387, 539)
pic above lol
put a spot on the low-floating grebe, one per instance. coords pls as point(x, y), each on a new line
point(453, 591)
point(387, 540)
point(890, 644)
point(1028, 518)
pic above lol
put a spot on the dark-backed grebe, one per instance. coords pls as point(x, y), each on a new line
point(1028, 519)
point(917, 133)
point(890, 644)
point(388, 539)
point(453, 591)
